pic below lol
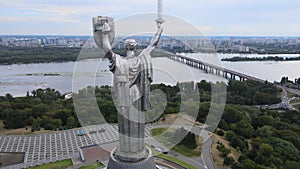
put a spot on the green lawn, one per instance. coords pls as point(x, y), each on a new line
point(157, 131)
point(163, 136)
point(92, 166)
point(56, 165)
point(175, 160)
point(187, 151)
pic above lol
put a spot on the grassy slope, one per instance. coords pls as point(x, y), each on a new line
point(56, 165)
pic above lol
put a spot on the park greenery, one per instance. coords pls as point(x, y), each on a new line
point(42, 108)
point(47, 108)
point(265, 138)
point(180, 140)
point(25, 55)
point(268, 58)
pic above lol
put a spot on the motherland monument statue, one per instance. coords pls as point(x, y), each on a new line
point(132, 75)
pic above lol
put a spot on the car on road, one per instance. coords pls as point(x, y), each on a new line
point(158, 149)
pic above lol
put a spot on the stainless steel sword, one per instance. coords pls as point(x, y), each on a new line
point(160, 11)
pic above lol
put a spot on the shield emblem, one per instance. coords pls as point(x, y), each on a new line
point(97, 29)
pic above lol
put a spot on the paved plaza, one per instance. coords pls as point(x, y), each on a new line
point(56, 146)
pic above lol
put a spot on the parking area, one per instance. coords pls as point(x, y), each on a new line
point(51, 147)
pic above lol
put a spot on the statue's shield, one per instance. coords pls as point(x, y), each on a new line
point(97, 29)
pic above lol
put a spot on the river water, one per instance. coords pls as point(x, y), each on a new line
point(17, 79)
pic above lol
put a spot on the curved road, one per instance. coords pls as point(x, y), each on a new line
point(205, 161)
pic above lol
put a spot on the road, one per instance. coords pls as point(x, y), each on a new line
point(205, 161)
point(285, 100)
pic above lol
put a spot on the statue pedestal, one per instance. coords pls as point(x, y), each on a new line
point(146, 162)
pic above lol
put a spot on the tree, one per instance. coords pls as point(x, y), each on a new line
point(49, 126)
point(203, 111)
point(39, 110)
point(71, 122)
point(291, 165)
point(33, 94)
point(244, 128)
point(228, 161)
point(224, 151)
point(239, 143)
point(266, 150)
point(229, 134)
point(187, 138)
point(220, 133)
point(262, 121)
point(14, 119)
point(284, 80)
point(264, 132)
point(223, 125)
point(231, 114)
point(63, 115)
point(9, 97)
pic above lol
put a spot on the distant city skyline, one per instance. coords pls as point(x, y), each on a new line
point(212, 18)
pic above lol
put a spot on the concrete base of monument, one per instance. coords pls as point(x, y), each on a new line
point(131, 157)
point(144, 162)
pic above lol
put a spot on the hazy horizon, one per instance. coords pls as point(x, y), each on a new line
point(212, 18)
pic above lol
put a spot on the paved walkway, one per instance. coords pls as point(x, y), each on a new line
point(285, 100)
point(56, 146)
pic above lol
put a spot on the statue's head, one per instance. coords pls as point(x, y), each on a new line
point(130, 44)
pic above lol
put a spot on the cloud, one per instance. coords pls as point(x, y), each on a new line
point(211, 17)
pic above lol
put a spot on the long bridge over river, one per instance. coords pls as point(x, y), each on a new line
point(213, 69)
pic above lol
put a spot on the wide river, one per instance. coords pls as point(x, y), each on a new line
point(17, 79)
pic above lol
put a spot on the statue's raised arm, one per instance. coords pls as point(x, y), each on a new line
point(159, 21)
point(154, 41)
point(104, 34)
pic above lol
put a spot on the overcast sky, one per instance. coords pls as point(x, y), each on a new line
point(211, 17)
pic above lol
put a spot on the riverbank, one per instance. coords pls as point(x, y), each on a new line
point(269, 58)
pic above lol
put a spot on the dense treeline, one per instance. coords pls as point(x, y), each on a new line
point(48, 109)
point(252, 93)
point(269, 58)
point(244, 93)
point(26, 55)
point(37, 55)
point(40, 109)
point(267, 139)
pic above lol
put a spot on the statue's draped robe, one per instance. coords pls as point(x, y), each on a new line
point(131, 92)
